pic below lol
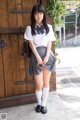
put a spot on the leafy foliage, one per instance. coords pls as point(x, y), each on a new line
point(56, 9)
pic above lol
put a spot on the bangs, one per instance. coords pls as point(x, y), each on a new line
point(39, 9)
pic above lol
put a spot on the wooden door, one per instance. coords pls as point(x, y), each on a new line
point(14, 80)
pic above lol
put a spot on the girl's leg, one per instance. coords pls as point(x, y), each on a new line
point(46, 79)
point(39, 85)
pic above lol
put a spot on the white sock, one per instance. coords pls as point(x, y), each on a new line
point(45, 96)
point(39, 96)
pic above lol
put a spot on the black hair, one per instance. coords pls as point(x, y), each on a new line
point(38, 8)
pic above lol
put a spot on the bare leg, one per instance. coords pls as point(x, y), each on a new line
point(39, 81)
point(39, 85)
point(46, 79)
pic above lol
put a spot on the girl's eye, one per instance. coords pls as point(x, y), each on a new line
point(36, 13)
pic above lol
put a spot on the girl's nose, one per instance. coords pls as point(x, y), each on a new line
point(38, 15)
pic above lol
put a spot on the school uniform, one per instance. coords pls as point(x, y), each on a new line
point(40, 40)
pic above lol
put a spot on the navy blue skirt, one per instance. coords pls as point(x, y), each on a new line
point(34, 68)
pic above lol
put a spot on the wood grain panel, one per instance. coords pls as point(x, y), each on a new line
point(20, 39)
point(8, 73)
point(14, 47)
point(2, 92)
point(3, 11)
point(27, 5)
point(6, 51)
point(12, 17)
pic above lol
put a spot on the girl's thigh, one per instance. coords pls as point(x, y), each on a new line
point(39, 80)
point(46, 76)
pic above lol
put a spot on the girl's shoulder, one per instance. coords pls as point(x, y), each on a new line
point(28, 27)
point(49, 25)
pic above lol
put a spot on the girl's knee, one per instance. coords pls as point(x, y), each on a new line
point(46, 85)
point(39, 87)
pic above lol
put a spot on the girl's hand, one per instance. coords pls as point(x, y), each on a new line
point(39, 61)
point(45, 60)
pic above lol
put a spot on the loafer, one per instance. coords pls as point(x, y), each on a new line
point(38, 108)
point(43, 110)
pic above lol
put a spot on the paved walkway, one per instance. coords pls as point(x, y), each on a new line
point(27, 112)
point(68, 81)
point(64, 103)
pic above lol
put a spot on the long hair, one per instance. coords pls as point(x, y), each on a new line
point(38, 8)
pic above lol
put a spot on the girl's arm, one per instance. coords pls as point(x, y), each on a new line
point(48, 49)
point(33, 48)
point(47, 53)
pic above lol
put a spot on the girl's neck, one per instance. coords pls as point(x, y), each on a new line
point(39, 24)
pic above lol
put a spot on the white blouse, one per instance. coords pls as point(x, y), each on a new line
point(39, 39)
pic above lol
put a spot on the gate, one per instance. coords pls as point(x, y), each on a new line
point(16, 86)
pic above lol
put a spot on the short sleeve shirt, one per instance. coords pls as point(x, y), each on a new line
point(40, 39)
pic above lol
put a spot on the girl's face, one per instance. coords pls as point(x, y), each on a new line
point(38, 17)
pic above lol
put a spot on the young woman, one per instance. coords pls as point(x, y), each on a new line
point(42, 61)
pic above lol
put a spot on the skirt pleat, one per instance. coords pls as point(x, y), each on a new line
point(34, 68)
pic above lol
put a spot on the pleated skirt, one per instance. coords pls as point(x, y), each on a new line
point(34, 68)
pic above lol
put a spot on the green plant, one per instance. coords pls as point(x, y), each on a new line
point(56, 9)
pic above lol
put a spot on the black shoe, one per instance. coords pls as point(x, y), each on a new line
point(38, 108)
point(43, 109)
